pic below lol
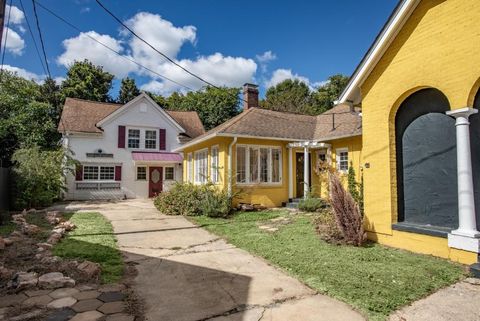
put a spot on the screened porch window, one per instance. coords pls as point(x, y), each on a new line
point(263, 164)
point(201, 166)
point(214, 170)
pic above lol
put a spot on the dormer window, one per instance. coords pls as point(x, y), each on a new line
point(134, 138)
point(150, 139)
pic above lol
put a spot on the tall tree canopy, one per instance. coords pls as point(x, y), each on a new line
point(27, 118)
point(291, 95)
point(87, 81)
point(295, 96)
point(328, 93)
point(128, 90)
point(213, 105)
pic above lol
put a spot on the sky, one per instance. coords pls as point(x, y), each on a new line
point(225, 42)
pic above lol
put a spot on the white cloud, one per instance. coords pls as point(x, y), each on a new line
point(280, 75)
point(83, 47)
point(25, 73)
point(160, 33)
point(15, 43)
point(265, 58)
point(16, 15)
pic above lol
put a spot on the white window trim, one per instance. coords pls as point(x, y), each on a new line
point(142, 138)
point(214, 168)
point(165, 173)
point(338, 151)
point(204, 150)
point(269, 165)
point(98, 174)
point(190, 167)
point(146, 173)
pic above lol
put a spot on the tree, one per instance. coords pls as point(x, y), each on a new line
point(128, 90)
point(87, 81)
point(325, 95)
point(213, 105)
point(291, 95)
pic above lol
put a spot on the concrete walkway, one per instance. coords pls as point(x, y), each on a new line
point(188, 274)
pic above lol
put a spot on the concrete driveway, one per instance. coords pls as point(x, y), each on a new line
point(187, 274)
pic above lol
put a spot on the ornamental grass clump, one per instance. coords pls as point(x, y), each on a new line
point(347, 213)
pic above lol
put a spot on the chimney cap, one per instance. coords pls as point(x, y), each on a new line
point(250, 85)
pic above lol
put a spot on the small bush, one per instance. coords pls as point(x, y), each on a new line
point(326, 227)
point(191, 200)
point(311, 204)
point(347, 213)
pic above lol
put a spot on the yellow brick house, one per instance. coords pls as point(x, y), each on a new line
point(418, 89)
point(407, 121)
point(270, 157)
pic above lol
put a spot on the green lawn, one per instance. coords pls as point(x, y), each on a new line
point(7, 228)
point(375, 279)
point(93, 240)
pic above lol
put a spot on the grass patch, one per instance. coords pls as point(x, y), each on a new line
point(375, 279)
point(93, 240)
point(6, 229)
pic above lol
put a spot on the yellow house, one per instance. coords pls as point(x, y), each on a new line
point(418, 89)
point(270, 158)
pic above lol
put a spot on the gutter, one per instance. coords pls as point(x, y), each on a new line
point(230, 150)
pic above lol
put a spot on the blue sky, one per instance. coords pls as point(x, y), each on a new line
point(226, 42)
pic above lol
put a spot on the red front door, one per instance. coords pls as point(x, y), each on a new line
point(155, 184)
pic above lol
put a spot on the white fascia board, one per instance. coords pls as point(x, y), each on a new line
point(261, 137)
point(192, 143)
point(125, 107)
point(378, 48)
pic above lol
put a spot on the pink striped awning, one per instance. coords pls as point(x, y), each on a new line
point(157, 156)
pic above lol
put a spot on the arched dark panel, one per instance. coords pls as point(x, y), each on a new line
point(426, 161)
point(475, 144)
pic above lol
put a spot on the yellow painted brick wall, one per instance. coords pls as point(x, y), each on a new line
point(438, 47)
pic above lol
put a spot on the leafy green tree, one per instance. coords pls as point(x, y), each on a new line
point(87, 81)
point(325, 95)
point(128, 90)
point(290, 95)
point(39, 176)
point(213, 105)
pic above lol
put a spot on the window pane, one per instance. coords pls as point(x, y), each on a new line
point(263, 165)
point(241, 164)
point(214, 166)
point(90, 172)
point(169, 173)
point(276, 165)
point(189, 167)
point(253, 165)
point(151, 139)
point(201, 169)
point(343, 161)
point(134, 138)
point(141, 173)
point(107, 172)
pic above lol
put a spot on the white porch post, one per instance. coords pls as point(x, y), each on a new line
point(466, 237)
point(306, 171)
point(290, 172)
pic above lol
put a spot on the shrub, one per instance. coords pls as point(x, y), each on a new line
point(190, 200)
point(327, 228)
point(38, 176)
point(311, 204)
point(347, 213)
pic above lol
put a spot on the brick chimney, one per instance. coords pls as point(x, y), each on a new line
point(250, 96)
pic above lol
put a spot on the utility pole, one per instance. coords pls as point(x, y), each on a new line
point(3, 3)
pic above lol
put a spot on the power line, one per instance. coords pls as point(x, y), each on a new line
point(6, 35)
point(155, 49)
point(108, 47)
point(33, 38)
point(41, 37)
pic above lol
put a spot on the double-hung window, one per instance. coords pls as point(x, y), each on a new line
point(169, 173)
point(134, 138)
point(150, 139)
point(189, 167)
point(95, 173)
point(214, 170)
point(259, 164)
point(342, 159)
point(141, 173)
point(201, 166)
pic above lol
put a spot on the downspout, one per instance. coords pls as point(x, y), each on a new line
point(230, 172)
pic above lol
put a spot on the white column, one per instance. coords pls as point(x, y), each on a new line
point(290, 172)
point(466, 237)
point(306, 171)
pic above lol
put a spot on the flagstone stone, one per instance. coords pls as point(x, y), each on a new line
point(87, 316)
point(40, 300)
point(85, 295)
point(111, 296)
point(112, 307)
point(63, 292)
point(87, 305)
point(62, 303)
point(13, 299)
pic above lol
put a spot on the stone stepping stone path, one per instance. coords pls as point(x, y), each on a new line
point(82, 303)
